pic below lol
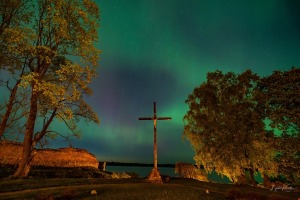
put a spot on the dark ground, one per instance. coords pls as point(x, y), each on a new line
point(46, 183)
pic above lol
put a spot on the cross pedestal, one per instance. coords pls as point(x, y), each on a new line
point(154, 176)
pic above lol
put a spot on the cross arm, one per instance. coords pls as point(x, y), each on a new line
point(145, 118)
point(164, 118)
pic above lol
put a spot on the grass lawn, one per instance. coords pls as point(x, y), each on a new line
point(77, 183)
point(134, 188)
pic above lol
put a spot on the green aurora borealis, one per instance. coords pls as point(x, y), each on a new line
point(156, 50)
point(160, 50)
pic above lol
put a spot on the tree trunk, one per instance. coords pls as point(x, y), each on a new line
point(27, 156)
point(9, 107)
point(266, 181)
point(241, 180)
point(39, 136)
point(253, 182)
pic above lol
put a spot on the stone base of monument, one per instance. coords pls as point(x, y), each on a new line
point(154, 176)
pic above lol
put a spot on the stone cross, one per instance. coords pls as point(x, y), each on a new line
point(154, 175)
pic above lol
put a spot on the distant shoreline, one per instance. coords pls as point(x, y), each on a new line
point(138, 164)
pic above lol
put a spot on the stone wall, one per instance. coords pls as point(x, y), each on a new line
point(10, 153)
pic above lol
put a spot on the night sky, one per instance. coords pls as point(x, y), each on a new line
point(160, 50)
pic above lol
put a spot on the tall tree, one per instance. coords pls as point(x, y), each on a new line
point(59, 30)
point(278, 100)
point(14, 35)
point(224, 128)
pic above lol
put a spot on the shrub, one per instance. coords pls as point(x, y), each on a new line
point(133, 174)
point(188, 170)
point(118, 175)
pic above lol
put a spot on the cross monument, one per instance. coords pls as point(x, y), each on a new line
point(154, 175)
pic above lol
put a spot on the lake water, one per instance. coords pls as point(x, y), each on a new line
point(144, 171)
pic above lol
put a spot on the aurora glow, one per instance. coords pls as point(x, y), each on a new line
point(160, 50)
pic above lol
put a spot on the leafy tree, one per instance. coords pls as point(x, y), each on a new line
point(56, 31)
point(13, 112)
point(278, 99)
point(224, 128)
point(288, 156)
point(14, 15)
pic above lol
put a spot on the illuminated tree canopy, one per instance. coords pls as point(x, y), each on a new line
point(54, 61)
point(226, 122)
point(278, 99)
